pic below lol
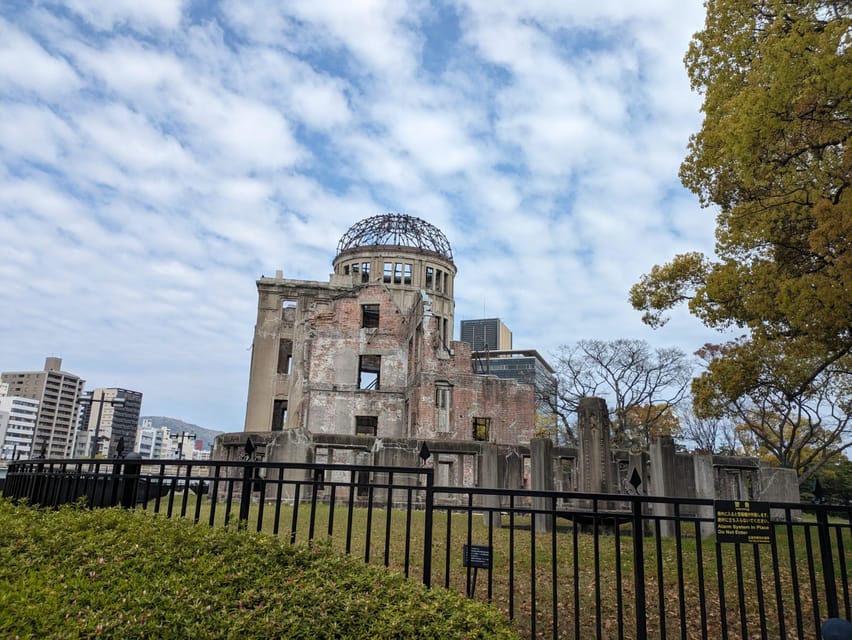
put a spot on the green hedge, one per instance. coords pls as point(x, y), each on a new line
point(75, 573)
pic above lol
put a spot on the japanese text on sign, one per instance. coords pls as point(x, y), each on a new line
point(742, 521)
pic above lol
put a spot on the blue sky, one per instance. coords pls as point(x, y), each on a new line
point(157, 157)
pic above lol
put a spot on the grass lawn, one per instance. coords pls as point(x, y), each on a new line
point(573, 584)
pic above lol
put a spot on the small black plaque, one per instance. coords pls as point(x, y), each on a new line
point(742, 521)
point(477, 556)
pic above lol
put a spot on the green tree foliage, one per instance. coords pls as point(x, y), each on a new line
point(835, 478)
point(641, 386)
point(773, 156)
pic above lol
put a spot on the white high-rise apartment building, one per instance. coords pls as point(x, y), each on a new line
point(17, 425)
point(58, 395)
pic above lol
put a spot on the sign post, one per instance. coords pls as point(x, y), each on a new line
point(476, 557)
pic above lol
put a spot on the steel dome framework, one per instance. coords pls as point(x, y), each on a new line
point(396, 229)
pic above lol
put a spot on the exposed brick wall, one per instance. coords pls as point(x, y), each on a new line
point(328, 339)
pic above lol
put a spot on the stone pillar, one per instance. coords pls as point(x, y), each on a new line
point(777, 484)
point(705, 487)
point(541, 470)
point(292, 446)
point(663, 479)
point(399, 456)
point(489, 478)
point(594, 467)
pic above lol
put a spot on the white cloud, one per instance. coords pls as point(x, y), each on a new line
point(157, 157)
point(26, 66)
point(150, 14)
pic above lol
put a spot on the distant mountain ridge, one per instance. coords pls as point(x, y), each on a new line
point(178, 426)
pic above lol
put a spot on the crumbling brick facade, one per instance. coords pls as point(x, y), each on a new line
point(370, 352)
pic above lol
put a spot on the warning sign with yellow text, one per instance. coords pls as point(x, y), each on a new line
point(742, 521)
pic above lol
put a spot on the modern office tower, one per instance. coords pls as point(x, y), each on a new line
point(109, 416)
point(17, 425)
point(528, 366)
point(487, 334)
point(58, 395)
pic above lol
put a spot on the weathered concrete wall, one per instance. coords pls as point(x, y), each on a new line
point(593, 430)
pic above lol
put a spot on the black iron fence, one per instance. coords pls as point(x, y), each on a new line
point(563, 565)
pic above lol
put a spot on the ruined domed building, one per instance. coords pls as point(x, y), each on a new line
point(363, 369)
point(370, 354)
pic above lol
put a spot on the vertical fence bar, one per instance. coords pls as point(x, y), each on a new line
point(279, 495)
point(259, 485)
point(554, 574)
point(186, 481)
point(532, 573)
point(619, 584)
point(575, 553)
point(679, 561)
point(758, 581)
point(294, 520)
point(369, 533)
point(779, 598)
point(469, 571)
point(720, 574)
point(427, 529)
point(639, 570)
point(740, 591)
point(794, 575)
point(448, 548)
point(661, 594)
point(408, 507)
point(491, 547)
point(817, 618)
point(245, 495)
point(350, 509)
point(388, 512)
point(596, 547)
point(511, 557)
point(827, 563)
point(332, 502)
point(844, 573)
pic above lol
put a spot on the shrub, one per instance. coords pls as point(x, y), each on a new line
point(76, 573)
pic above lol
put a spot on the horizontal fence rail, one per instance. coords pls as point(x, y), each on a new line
point(563, 565)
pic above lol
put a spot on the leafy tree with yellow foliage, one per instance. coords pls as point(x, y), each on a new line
point(773, 157)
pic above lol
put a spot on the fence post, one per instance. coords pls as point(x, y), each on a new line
point(245, 496)
point(827, 563)
point(132, 467)
point(427, 527)
point(639, 568)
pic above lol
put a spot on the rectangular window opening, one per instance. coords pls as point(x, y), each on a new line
point(407, 278)
point(482, 429)
point(279, 415)
point(355, 268)
point(369, 316)
point(288, 310)
point(365, 272)
point(285, 355)
point(366, 425)
point(443, 407)
point(397, 273)
point(369, 371)
point(430, 277)
point(388, 272)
